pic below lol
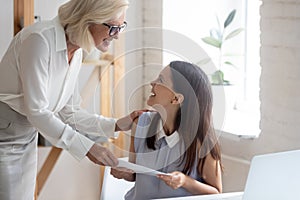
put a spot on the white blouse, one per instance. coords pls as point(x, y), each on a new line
point(36, 80)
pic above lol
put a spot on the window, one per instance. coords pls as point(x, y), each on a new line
point(192, 20)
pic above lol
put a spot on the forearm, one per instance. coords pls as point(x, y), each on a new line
point(61, 135)
point(86, 122)
point(195, 187)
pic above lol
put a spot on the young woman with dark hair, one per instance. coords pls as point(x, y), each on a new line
point(178, 138)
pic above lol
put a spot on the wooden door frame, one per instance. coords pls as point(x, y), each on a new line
point(23, 14)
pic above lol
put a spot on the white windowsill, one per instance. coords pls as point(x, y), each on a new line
point(241, 124)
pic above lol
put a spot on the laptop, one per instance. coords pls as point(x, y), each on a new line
point(274, 176)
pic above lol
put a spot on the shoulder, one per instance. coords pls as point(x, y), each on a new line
point(142, 124)
point(145, 119)
point(42, 29)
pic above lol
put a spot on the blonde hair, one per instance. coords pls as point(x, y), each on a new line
point(76, 16)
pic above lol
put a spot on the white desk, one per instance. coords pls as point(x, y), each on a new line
point(225, 196)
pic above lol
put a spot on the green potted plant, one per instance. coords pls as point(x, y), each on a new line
point(218, 37)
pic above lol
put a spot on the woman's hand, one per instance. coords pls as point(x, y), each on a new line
point(174, 180)
point(125, 123)
point(102, 156)
point(123, 173)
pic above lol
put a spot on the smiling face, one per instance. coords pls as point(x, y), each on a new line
point(100, 33)
point(162, 90)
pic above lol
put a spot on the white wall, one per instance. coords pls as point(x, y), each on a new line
point(133, 56)
point(279, 92)
point(47, 9)
point(142, 62)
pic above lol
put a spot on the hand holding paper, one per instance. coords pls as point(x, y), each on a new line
point(139, 168)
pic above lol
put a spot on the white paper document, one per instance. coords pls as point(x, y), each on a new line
point(139, 168)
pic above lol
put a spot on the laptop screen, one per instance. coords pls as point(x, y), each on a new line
point(274, 176)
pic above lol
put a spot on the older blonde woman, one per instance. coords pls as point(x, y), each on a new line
point(38, 91)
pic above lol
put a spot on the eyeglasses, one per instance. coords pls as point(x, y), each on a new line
point(163, 82)
point(113, 30)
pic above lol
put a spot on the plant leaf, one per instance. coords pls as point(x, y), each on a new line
point(217, 78)
point(212, 41)
point(203, 62)
point(226, 82)
point(215, 33)
point(234, 33)
point(229, 18)
point(231, 64)
point(232, 55)
point(218, 21)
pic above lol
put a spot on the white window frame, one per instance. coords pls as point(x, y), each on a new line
point(243, 121)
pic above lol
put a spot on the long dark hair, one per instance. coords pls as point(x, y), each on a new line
point(194, 117)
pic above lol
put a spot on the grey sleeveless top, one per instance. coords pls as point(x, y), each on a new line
point(166, 158)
